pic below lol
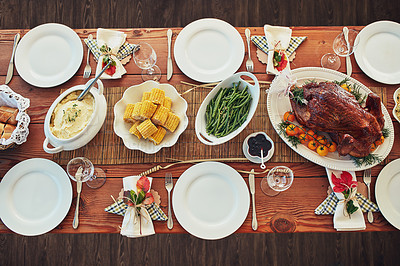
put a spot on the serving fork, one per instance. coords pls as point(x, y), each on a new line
point(249, 62)
point(367, 181)
point(88, 69)
point(168, 186)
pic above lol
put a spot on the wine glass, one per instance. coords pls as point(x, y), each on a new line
point(145, 58)
point(93, 176)
point(341, 48)
point(279, 179)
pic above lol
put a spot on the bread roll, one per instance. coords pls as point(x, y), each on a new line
point(8, 130)
point(8, 115)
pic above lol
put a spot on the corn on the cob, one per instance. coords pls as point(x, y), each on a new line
point(136, 111)
point(167, 102)
point(128, 113)
point(157, 96)
point(147, 128)
point(147, 110)
point(133, 130)
point(158, 136)
point(172, 122)
point(160, 115)
point(146, 96)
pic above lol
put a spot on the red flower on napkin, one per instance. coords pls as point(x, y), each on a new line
point(143, 184)
point(343, 183)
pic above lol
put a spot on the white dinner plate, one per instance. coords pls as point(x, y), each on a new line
point(211, 200)
point(277, 106)
point(48, 55)
point(378, 53)
point(387, 192)
point(35, 197)
point(209, 50)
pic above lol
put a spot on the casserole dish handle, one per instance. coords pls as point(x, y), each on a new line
point(51, 150)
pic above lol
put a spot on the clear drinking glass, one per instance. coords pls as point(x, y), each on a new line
point(145, 58)
point(340, 47)
point(93, 176)
point(279, 179)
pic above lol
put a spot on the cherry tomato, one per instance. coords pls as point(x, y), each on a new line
point(303, 138)
point(292, 130)
point(373, 147)
point(311, 135)
point(322, 150)
point(332, 146)
point(288, 116)
point(322, 140)
point(302, 130)
point(312, 145)
point(346, 87)
point(380, 141)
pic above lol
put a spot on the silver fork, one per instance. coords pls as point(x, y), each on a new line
point(249, 62)
point(168, 186)
point(88, 69)
point(367, 181)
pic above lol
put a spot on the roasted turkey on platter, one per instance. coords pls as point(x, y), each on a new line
point(330, 108)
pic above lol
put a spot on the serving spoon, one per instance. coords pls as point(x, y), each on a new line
point(86, 90)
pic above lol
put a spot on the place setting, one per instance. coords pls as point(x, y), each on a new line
point(316, 114)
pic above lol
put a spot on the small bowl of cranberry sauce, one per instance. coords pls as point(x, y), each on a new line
point(253, 144)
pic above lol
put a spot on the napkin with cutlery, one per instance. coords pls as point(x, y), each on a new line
point(119, 50)
point(278, 39)
point(344, 185)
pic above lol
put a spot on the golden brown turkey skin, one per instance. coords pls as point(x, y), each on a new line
point(332, 109)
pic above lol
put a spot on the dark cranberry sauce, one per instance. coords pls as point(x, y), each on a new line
point(257, 143)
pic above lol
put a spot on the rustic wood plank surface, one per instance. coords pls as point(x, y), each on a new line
point(342, 247)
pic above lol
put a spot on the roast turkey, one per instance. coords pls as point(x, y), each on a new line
point(332, 109)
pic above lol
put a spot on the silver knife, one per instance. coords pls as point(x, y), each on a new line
point(254, 223)
point(10, 70)
point(349, 67)
point(169, 61)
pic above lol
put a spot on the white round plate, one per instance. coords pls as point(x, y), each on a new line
point(35, 197)
point(387, 192)
point(133, 95)
point(211, 200)
point(201, 123)
point(378, 53)
point(277, 106)
point(48, 55)
point(209, 50)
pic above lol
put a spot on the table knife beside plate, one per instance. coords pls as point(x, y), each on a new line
point(10, 70)
point(252, 186)
point(349, 68)
point(169, 61)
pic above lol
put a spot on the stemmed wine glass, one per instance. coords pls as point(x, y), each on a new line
point(93, 176)
point(145, 58)
point(278, 179)
point(341, 48)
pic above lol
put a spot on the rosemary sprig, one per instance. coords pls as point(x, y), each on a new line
point(297, 95)
point(385, 132)
point(282, 131)
point(370, 159)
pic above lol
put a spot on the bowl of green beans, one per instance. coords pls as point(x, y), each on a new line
point(227, 109)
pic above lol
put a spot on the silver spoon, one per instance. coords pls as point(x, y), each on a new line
point(262, 166)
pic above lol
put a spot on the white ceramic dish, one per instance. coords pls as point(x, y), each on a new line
point(211, 200)
point(396, 104)
point(378, 53)
point(35, 197)
point(209, 50)
point(88, 133)
point(200, 124)
point(257, 159)
point(387, 192)
point(133, 95)
point(277, 106)
point(49, 55)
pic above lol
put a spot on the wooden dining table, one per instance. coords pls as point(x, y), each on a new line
point(310, 184)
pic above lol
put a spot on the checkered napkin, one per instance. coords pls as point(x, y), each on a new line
point(125, 50)
point(261, 43)
point(154, 210)
point(328, 206)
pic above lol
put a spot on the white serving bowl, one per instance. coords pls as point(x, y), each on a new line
point(200, 125)
point(91, 129)
point(133, 95)
point(396, 105)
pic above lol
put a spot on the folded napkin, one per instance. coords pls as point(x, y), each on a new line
point(136, 225)
point(278, 38)
point(119, 207)
point(328, 206)
point(262, 44)
point(120, 49)
point(342, 221)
